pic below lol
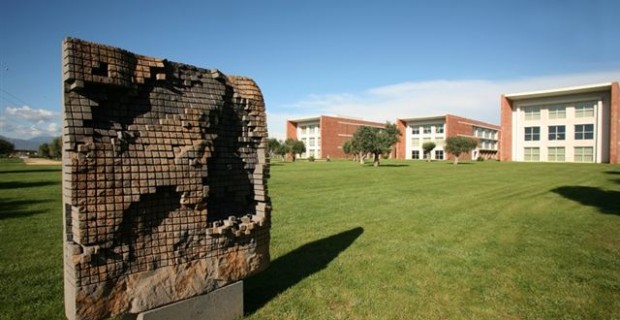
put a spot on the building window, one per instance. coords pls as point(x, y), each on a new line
point(439, 142)
point(584, 109)
point(555, 154)
point(415, 142)
point(532, 113)
point(439, 129)
point(557, 132)
point(439, 154)
point(584, 154)
point(415, 130)
point(557, 112)
point(311, 143)
point(584, 131)
point(427, 129)
point(427, 139)
point(307, 130)
point(415, 154)
point(532, 133)
point(531, 154)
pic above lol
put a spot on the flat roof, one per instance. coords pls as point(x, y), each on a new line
point(317, 118)
point(424, 118)
point(560, 91)
point(308, 119)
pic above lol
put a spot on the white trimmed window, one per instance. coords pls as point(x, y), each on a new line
point(532, 113)
point(557, 112)
point(584, 131)
point(584, 109)
point(311, 143)
point(557, 154)
point(427, 129)
point(439, 154)
point(584, 154)
point(532, 133)
point(415, 131)
point(439, 129)
point(415, 154)
point(531, 154)
point(557, 132)
point(415, 142)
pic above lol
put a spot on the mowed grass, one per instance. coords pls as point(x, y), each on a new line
point(407, 240)
point(30, 241)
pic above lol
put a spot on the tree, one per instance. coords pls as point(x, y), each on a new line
point(377, 141)
point(6, 147)
point(347, 148)
point(457, 145)
point(276, 147)
point(55, 148)
point(44, 150)
point(294, 147)
point(428, 147)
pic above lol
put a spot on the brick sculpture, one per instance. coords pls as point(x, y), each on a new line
point(164, 181)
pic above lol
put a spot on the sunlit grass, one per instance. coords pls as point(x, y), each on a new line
point(408, 240)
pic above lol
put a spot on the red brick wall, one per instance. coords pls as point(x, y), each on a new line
point(401, 145)
point(614, 134)
point(505, 145)
point(291, 130)
point(459, 126)
point(335, 131)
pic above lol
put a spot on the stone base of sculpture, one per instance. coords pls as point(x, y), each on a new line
point(222, 304)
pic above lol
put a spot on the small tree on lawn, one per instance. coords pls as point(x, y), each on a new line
point(428, 147)
point(347, 148)
point(457, 145)
point(276, 147)
point(44, 150)
point(377, 141)
point(56, 148)
point(295, 147)
point(6, 148)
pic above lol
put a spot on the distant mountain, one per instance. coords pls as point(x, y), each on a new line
point(31, 144)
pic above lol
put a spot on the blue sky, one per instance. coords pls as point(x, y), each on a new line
point(378, 60)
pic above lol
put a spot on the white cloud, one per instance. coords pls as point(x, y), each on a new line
point(29, 114)
point(475, 98)
point(25, 122)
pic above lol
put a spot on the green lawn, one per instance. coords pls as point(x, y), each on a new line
point(407, 240)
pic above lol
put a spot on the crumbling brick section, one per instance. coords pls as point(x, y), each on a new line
point(164, 181)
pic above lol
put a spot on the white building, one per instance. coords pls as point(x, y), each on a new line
point(577, 124)
point(419, 130)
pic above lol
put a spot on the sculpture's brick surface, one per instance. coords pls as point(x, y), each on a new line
point(164, 180)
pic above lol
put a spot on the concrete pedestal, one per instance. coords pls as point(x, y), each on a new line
point(222, 304)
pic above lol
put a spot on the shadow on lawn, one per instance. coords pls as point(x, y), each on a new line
point(16, 208)
point(290, 269)
point(21, 184)
point(30, 170)
point(607, 201)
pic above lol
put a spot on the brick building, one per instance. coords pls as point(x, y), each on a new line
point(577, 124)
point(325, 135)
point(416, 131)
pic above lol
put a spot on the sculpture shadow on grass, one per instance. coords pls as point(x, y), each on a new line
point(607, 201)
point(288, 270)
